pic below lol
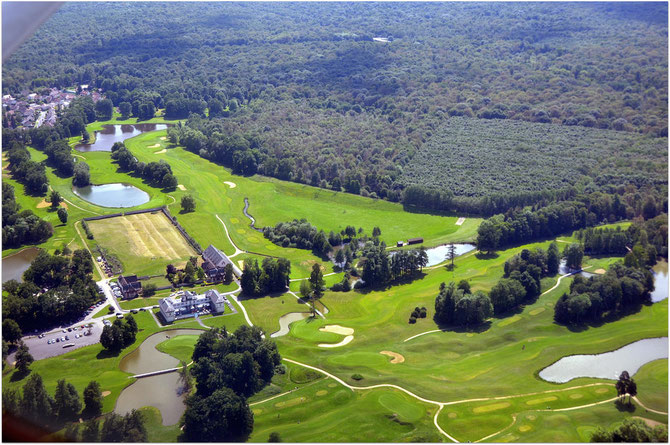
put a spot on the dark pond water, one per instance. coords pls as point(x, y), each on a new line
point(112, 195)
point(608, 365)
point(14, 265)
point(161, 391)
point(105, 138)
point(660, 292)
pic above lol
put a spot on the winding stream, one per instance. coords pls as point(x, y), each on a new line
point(246, 213)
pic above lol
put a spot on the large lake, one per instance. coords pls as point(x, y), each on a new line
point(112, 195)
point(14, 265)
point(105, 138)
point(608, 365)
point(161, 391)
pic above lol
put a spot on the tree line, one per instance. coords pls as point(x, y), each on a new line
point(379, 267)
point(456, 305)
point(522, 226)
point(158, 174)
point(272, 276)
point(21, 227)
point(56, 289)
point(46, 413)
point(227, 370)
point(599, 297)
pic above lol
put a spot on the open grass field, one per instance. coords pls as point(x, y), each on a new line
point(144, 243)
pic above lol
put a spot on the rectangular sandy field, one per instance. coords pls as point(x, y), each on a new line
point(144, 243)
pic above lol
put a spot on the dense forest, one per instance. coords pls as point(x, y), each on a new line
point(361, 97)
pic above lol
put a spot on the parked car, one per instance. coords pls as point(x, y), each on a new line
point(57, 339)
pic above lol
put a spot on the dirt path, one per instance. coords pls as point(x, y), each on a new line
point(649, 409)
point(498, 432)
point(423, 333)
point(560, 278)
point(307, 278)
point(95, 263)
point(237, 250)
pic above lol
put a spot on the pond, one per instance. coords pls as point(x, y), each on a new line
point(437, 255)
point(161, 391)
point(660, 292)
point(112, 195)
point(14, 265)
point(608, 365)
point(105, 138)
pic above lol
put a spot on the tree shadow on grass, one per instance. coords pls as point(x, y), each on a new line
point(477, 329)
point(106, 353)
point(624, 407)
point(19, 375)
point(397, 282)
point(487, 255)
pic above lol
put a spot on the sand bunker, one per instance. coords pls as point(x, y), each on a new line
point(160, 152)
point(106, 393)
point(232, 185)
point(460, 221)
point(337, 329)
point(44, 204)
point(396, 358)
point(154, 146)
point(163, 138)
point(346, 341)
point(599, 271)
point(181, 187)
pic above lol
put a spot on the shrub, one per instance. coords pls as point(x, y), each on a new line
point(357, 377)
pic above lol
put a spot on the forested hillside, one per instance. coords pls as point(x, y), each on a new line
point(343, 95)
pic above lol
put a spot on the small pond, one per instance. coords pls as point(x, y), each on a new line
point(437, 255)
point(608, 365)
point(112, 195)
point(14, 265)
point(564, 269)
point(105, 138)
point(660, 292)
point(161, 391)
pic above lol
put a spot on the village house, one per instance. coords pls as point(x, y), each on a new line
point(214, 263)
point(130, 286)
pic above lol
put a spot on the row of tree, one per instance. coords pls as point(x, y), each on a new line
point(522, 226)
point(227, 369)
point(379, 267)
point(26, 171)
point(457, 306)
point(272, 276)
point(41, 409)
point(158, 174)
point(56, 289)
point(302, 235)
point(21, 227)
point(651, 235)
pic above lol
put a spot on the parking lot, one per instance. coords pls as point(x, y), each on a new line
point(56, 342)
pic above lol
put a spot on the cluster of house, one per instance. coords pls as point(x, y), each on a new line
point(36, 109)
point(183, 304)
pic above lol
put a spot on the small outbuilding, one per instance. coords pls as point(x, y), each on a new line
point(415, 241)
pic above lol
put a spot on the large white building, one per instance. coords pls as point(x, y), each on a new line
point(184, 304)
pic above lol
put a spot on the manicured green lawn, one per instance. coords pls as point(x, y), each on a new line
point(180, 347)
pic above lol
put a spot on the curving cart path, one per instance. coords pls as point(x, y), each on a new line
point(454, 402)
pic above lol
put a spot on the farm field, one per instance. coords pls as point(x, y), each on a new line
point(447, 159)
point(144, 243)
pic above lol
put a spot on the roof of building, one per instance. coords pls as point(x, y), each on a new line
point(215, 297)
point(215, 256)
